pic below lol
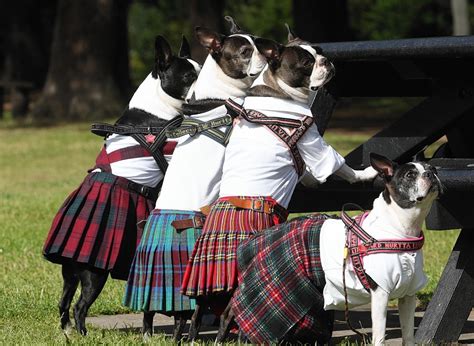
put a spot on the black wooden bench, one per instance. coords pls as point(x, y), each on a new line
point(440, 70)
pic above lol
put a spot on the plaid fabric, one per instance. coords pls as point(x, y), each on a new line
point(280, 287)
point(97, 225)
point(157, 271)
point(213, 264)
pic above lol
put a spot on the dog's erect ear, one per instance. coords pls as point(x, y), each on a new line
point(185, 49)
point(291, 35)
point(382, 165)
point(270, 49)
point(163, 55)
point(210, 39)
point(234, 27)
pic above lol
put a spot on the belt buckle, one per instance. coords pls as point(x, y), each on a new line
point(143, 191)
point(197, 222)
point(262, 206)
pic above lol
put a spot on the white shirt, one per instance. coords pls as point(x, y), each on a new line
point(195, 171)
point(142, 170)
point(151, 98)
point(398, 274)
point(258, 163)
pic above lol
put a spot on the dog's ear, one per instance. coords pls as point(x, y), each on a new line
point(270, 49)
point(209, 39)
point(163, 55)
point(234, 27)
point(185, 49)
point(382, 165)
point(291, 35)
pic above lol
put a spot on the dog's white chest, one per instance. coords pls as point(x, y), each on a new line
point(398, 274)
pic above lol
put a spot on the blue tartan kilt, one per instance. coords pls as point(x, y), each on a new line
point(159, 264)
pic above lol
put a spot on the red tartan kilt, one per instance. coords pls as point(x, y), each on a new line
point(213, 265)
point(97, 225)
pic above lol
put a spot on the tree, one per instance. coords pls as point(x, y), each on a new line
point(208, 13)
point(321, 20)
point(88, 75)
point(460, 13)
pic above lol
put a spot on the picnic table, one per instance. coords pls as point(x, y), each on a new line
point(438, 69)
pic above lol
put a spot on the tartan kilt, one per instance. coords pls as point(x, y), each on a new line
point(212, 267)
point(160, 260)
point(280, 287)
point(98, 225)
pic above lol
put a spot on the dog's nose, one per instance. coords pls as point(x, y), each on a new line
point(427, 174)
point(324, 62)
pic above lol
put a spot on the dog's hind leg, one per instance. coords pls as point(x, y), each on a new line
point(147, 329)
point(180, 319)
point(226, 320)
point(70, 282)
point(196, 320)
point(92, 283)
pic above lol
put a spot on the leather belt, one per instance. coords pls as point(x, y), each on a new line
point(258, 205)
point(194, 222)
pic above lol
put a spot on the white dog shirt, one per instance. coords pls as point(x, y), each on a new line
point(398, 274)
point(257, 163)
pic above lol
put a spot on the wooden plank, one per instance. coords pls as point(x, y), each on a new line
point(419, 127)
point(452, 301)
point(322, 104)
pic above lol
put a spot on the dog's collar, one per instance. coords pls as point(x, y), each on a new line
point(360, 244)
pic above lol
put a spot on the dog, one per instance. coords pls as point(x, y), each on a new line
point(268, 150)
point(192, 180)
point(292, 271)
point(95, 231)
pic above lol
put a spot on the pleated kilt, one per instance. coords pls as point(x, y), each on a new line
point(213, 265)
point(97, 225)
point(159, 264)
point(279, 297)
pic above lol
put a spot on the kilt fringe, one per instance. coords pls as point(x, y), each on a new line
point(279, 297)
point(212, 267)
point(97, 225)
point(157, 270)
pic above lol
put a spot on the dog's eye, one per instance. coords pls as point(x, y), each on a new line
point(410, 175)
point(245, 51)
point(307, 62)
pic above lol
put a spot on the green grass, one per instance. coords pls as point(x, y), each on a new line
point(39, 167)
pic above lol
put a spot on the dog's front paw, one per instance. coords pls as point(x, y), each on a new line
point(368, 174)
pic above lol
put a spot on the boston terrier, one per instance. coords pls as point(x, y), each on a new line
point(293, 71)
point(229, 70)
point(388, 239)
point(158, 98)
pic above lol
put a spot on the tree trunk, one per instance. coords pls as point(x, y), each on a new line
point(460, 13)
point(207, 13)
point(321, 20)
point(88, 76)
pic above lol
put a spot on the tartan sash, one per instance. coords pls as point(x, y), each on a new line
point(361, 244)
point(192, 126)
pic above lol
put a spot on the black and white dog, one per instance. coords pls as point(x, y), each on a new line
point(159, 98)
point(320, 251)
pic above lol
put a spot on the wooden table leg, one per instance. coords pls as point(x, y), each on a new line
point(452, 301)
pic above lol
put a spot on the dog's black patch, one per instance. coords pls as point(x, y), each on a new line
point(296, 66)
point(139, 117)
point(177, 77)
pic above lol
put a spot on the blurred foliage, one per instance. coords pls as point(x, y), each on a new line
point(145, 21)
point(369, 20)
point(392, 19)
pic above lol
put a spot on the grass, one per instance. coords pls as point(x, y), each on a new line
point(39, 167)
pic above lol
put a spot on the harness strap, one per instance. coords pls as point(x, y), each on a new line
point(360, 244)
point(192, 126)
point(150, 138)
point(275, 125)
